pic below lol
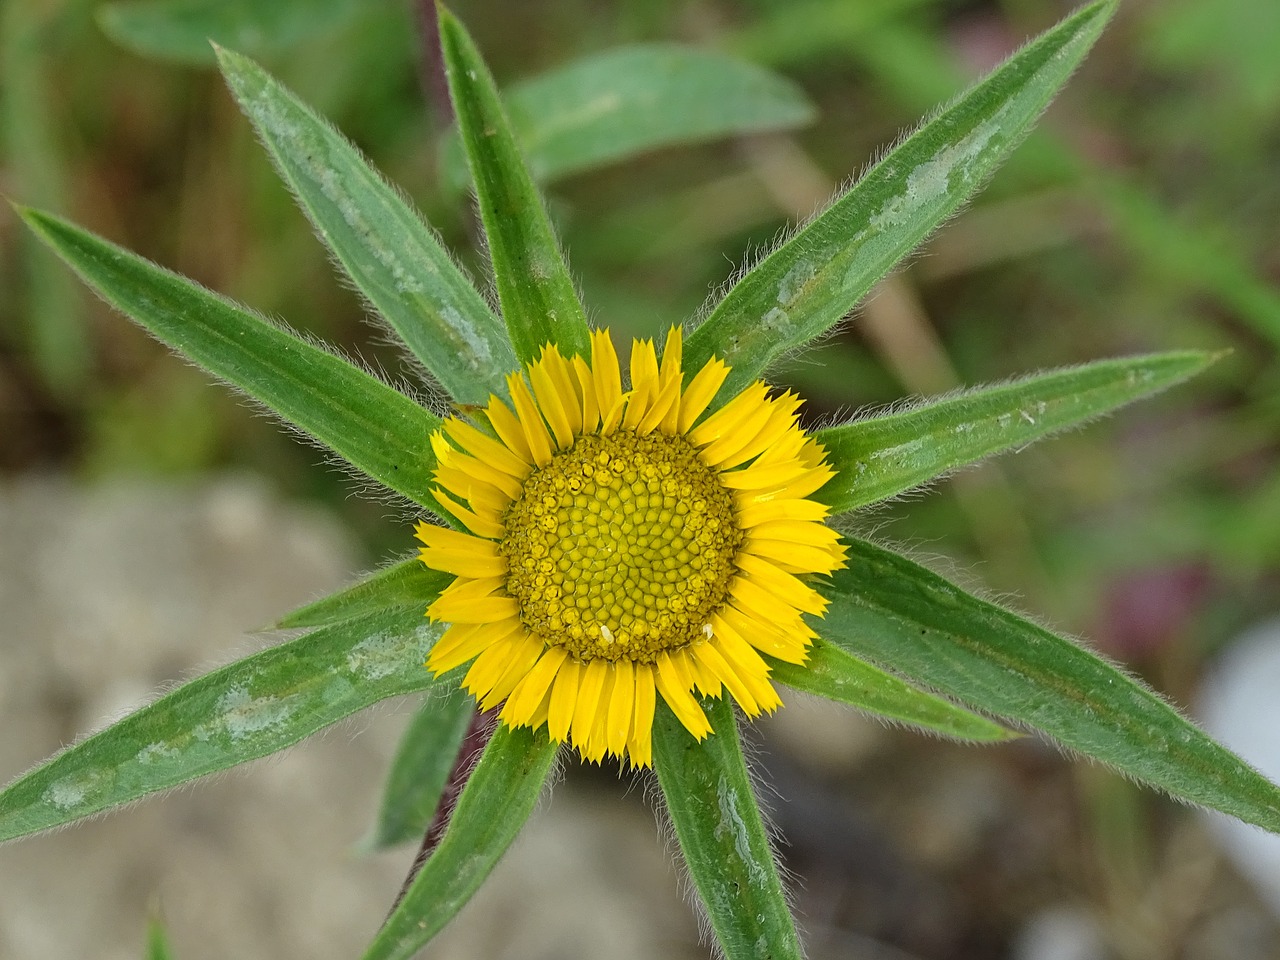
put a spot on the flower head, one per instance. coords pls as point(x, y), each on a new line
point(623, 544)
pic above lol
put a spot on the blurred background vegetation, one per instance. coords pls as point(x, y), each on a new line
point(1141, 216)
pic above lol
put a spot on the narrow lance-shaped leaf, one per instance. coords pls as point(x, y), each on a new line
point(806, 285)
point(535, 290)
point(722, 836)
point(181, 29)
point(393, 258)
point(832, 673)
point(895, 612)
point(606, 108)
point(881, 457)
point(371, 426)
point(421, 767)
point(240, 712)
point(497, 800)
point(401, 584)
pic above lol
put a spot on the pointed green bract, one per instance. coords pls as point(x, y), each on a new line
point(808, 284)
point(535, 290)
point(631, 100)
point(884, 456)
point(420, 770)
point(181, 29)
point(240, 712)
point(393, 258)
point(717, 822)
point(897, 613)
point(368, 424)
point(832, 673)
point(497, 800)
point(405, 583)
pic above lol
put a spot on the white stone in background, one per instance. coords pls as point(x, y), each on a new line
point(109, 596)
point(1060, 932)
point(1240, 705)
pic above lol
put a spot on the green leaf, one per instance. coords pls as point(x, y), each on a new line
point(810, 282)
point(832, 673)
point(372, 426)
point(181, 30)
point(421, 767)
point(494, 805)
point(240, 712)
point(393, 258)
point(883, 456)
point(622, 103)
point(896, 613)
point(722, 837)
point(406, 583)
point(538, 300)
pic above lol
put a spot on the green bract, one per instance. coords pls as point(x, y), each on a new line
point(898, 640)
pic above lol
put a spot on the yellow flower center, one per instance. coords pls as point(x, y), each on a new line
point(621, 547)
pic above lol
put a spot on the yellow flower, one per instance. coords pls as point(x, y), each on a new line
point(623, 545)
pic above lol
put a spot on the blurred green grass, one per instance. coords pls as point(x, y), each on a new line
point(1141, 217)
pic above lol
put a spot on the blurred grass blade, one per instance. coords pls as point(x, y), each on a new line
point(240, 712)
point(51, 310)
point(722, 836)
point(883, 456)
point(895, 612)
point(494, 805)
point(918, 69)
point(402, 584)
point(158, 941)
point(421, 767)
point(393, 258)
point(606, 108)
point(372, 426)
point(181, 29)
point(810, 282)
point(805, 31)
point(535, 290)
point(1191, 256)
point(832, 673)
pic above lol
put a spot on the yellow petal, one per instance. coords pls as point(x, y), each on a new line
point(564, 697)
point(492, 452)
point(590, 685)
point(530, 691)
point(641, 747)
point(702, 389)
point(465, 641)
point(477, 523)
point(597, 743)
point(679, 699)
point(783, 586)
point(554, 405)
point(725, 419)
point(622, 703)
point(672, 371)
point(605, 370)
point(535, 431)
point(587, 390)
point(753, 511)
point(524, 653)
point(507, 426)
point(710, 659)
